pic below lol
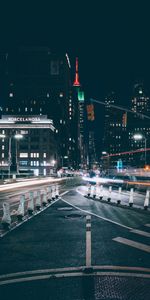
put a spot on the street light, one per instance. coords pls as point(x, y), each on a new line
point(138, 137)
point(17, 136)
point(62, 160)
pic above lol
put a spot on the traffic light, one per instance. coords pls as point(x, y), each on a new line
point(90, 112)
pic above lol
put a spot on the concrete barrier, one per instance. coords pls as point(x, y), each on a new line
point(44, 198)
point(6, 219)
point(101, 192)
point(53, 192)
point(49, 194)
point(57, 191)
point(119, 195)
point(94, 191)
point(30, 206)
point(146, 202)
point(109, 193)
point(20, 211)
point(89, 190)
point(38, 200)
point(131, 197)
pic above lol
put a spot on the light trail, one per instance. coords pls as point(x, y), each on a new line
point(126, 152)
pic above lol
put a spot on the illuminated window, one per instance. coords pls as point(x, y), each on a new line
point(26, 109)
point(3, 147)
point(23, 155)
point(35, 154)
point(44, 154)
point(24, 131)
point(11, 95)
point(2, 155)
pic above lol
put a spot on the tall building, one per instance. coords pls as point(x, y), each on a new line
point(115, 131)
point(37, 82)
point(81, 139)
point(138, 124)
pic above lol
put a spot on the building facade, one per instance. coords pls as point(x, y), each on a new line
point(139, 124)
point(28, 145)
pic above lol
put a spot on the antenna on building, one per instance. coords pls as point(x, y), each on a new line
point(76, 81)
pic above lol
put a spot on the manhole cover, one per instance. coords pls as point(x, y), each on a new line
point(73, 216)
point(64, 208)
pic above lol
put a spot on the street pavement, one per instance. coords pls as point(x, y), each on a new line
point(45, 257)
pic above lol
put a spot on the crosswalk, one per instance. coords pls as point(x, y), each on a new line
point(131, 242)
point(138, 232)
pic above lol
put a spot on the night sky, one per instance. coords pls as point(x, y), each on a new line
point(111, 39)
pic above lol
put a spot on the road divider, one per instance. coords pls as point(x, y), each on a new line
point(98, 193)
point(30, 204)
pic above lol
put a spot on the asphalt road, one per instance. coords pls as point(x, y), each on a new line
point(46, 256)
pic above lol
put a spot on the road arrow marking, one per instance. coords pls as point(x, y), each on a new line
point(131, 243)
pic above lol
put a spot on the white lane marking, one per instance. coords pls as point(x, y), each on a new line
point(74, 274)
point(76, 269)
point(64, 193)
point(131, 243)
point(147, 225)
point(98, 216)
point(79, 192)
point(141, 232)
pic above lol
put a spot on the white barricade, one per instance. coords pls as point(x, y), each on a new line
point(20, 211)
point(119, 195)
point(44, 198)
point(6, 219)
point(101, 192)
point(89, 190)
point(49, 194)
point(146, 202)
point(57, 191)
point(38, 200)
point(109, 193)
point(131, 197)
point(30, 206)
point(53, 192)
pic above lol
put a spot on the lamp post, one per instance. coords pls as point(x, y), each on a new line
point(138, 137)
point(62, 160)
point(17, 136)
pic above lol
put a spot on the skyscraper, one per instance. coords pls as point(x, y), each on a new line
point(115, 130)
point(81, 140)
point(138, 124)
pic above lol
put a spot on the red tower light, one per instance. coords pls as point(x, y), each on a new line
point(76, 81)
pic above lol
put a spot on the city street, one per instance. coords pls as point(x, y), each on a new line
point(56, 244)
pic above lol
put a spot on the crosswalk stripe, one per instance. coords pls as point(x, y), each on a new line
point(140, 232)
point(147, 225)
point(131, 243)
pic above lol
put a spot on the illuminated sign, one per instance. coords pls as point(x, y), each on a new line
point(24, 119)
point(16, 118)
